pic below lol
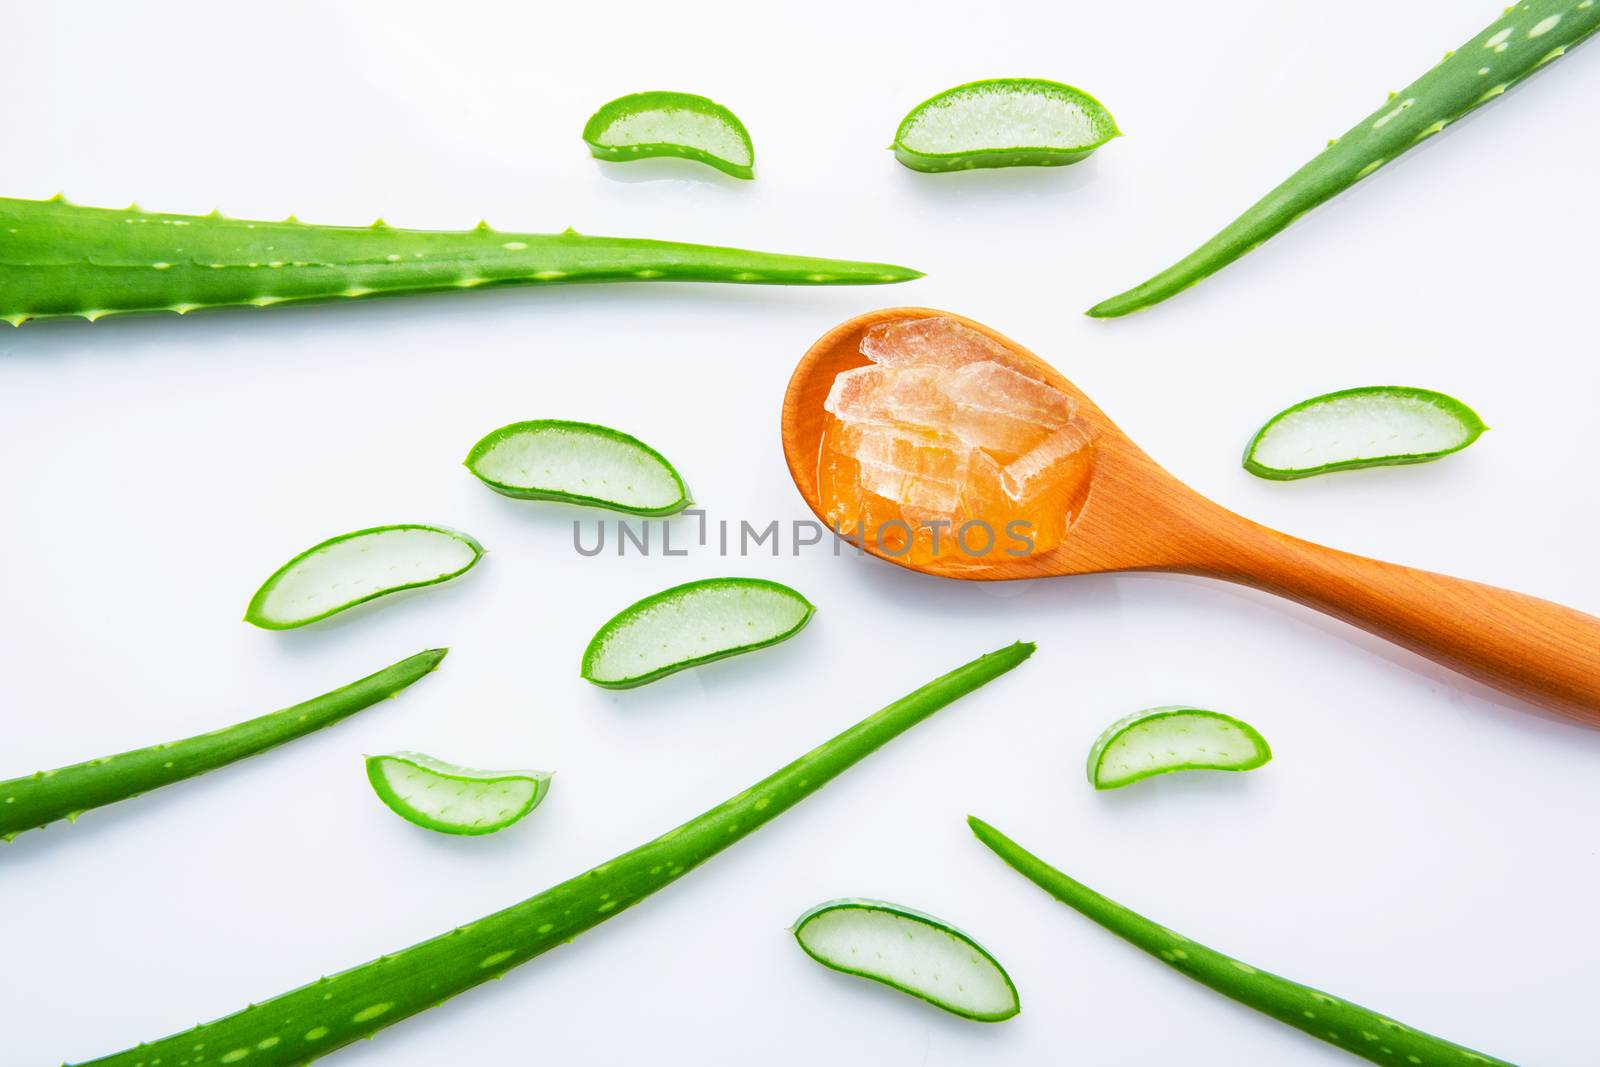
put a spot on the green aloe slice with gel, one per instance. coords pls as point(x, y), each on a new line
point(691, 624)
point(578, 463)
point(1003, 122)
point(1173, 738)
point(454, 800)
point(642, 125)
point(354, 568)
point(1373, 426)
point(909, 951)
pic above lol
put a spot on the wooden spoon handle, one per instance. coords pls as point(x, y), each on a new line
point(1544, 653)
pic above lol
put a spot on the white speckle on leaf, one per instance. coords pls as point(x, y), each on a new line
point(1403, 106)
point(1499, 38)
point(1544, 26)
point(514, 246)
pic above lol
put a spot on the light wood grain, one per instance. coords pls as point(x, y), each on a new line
point(1139, 517)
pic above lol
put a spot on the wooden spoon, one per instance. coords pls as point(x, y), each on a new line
point(1140, 518)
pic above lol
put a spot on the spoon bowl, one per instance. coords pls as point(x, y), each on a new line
point(1135, 516)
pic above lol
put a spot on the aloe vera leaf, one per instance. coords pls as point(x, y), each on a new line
point(59, 259)
point(642, 125)
point(454, 800)
point(332, 1012)
point(1371, 426)
point(691, 624)
point(578, 463)
point(1359, 1031)
point(341, 572)
point(65, 793)
point(1173, 738)
point(1524, 39)
point(913, 952)
point(1003, 122)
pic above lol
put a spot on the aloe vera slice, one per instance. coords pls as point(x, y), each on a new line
point(909, 951)
point(692, 624)
point(671, 124)
point(578, 463)
point(1373, 426)
point(354, 568)
point(1173, 738)
point(67, 792)
point(454, 800)
point(1003, 122)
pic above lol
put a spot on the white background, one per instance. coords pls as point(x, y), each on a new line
point(1418, 844)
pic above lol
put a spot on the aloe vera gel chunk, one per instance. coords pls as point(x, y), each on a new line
point(642, 125)
point(454, 800)
point(1374, 426)
point(1173, 738)
point(578, 463)
point(1003, 122)
point(909, 951)
point(692, 624)
point(354, 568)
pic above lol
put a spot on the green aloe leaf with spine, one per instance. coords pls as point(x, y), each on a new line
point(316, 1019)
point(42, 798)
point(1525, 38)
point(62, 260)
point(1357, 1030)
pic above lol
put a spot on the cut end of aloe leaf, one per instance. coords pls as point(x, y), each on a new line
point(692, 624)
point(354, 568)
point(909, 951)
point(454, 800)
point(1003, 122)
point(642, 125)
point(578, 463)
point(1173, 738)
point(1374, 426)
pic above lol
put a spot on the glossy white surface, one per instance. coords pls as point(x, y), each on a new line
point(1417, 844)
